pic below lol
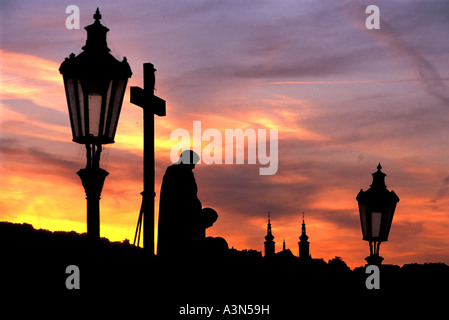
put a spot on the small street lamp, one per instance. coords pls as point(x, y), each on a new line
point(95, 84)
point(376, 207)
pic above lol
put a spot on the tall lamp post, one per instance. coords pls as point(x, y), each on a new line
point(95, 84)
point(376, 208)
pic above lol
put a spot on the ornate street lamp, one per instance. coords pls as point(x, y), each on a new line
point(95, 84)
point(376, 207)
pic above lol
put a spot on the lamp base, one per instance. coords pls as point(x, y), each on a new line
point(374, 259)
point(93, 180)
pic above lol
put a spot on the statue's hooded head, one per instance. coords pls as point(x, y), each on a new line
point(188, 157)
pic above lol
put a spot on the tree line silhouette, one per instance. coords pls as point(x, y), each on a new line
point(34, 262)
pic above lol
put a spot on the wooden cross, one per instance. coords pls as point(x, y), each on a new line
point(151, 105)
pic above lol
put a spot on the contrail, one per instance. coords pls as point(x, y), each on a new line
point(343, 82)
point(427, 74)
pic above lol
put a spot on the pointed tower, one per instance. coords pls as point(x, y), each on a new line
point(269, 243)
point(303, 244)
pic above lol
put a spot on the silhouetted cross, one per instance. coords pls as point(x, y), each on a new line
point(151, 105)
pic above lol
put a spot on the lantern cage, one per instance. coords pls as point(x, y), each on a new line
point(95, 84)
point(376, 207)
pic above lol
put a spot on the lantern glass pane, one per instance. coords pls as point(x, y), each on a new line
point(117, 104)
point(94, 113)
point(106, 113)
point(81, 109)
point(362, 209)
point(70, 85)
point(376, 218)
point(389, 219)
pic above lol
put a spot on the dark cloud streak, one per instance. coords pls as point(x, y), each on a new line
point(35, 112)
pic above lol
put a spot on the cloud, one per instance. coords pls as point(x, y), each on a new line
point(35, 112)
point(30, 77)
point(320, 65)
point(391, 38)
point(18, 156)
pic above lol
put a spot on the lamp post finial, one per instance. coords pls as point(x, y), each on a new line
point(97, 15)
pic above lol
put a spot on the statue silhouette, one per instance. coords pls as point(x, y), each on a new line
point(181, 219)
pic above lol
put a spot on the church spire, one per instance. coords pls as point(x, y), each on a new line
point(269, 243)
point(303, 229)
point(303, 244)
point(269, 224)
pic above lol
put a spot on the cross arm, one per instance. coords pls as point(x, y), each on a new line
point(139, 97)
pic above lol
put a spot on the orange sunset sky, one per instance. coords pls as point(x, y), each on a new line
point(342, 98)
